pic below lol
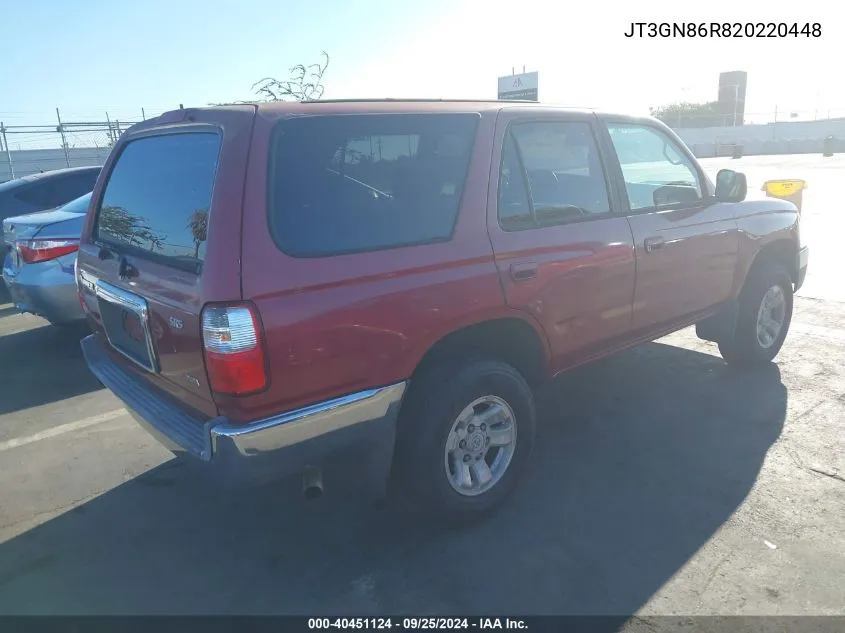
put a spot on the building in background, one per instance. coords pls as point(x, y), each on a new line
point(731, 102)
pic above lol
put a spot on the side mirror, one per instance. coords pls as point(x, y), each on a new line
point(731, 186)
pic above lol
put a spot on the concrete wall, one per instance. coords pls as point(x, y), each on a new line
point(788, 137)
point(32, 161)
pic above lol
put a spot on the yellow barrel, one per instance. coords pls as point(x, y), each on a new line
point(791, 190)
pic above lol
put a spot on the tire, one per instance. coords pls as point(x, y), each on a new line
point(436, 401)
point(745, 349)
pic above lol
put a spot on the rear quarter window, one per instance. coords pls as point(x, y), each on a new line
point(158, 196)
point(36, 195)
point(57, 190)
point(351, 183)
point(75, 185)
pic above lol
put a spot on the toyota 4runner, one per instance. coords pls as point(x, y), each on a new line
point(271, 286)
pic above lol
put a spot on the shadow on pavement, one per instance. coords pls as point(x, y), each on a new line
point(641, 458)
point(43, 365)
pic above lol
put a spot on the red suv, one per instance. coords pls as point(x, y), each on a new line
point(274, 286)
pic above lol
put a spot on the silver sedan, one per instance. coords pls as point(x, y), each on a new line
point(38, 268)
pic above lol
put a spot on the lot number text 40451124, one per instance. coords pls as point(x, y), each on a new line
point(723, 29)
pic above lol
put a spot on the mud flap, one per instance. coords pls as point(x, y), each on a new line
point(721, 326)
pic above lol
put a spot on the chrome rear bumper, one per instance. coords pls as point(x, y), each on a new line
point(278, 445)
point(803, 258)
point(306, 424)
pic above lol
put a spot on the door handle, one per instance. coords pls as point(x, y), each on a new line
point(653, 244)
point(524, 271)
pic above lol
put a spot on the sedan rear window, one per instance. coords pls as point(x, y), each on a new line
point(158, 196)
point(352, 183)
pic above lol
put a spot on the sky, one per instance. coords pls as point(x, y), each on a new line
point(93, 57)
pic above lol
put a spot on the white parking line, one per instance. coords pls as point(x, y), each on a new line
point(61, 429)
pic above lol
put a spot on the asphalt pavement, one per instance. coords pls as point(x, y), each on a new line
point(663, 482)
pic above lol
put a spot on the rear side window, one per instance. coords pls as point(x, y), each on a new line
point(74, 185)
point(352, 183)
point(158, 196)
point(37, 195)
point(57, 190)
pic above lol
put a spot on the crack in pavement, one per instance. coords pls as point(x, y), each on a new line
point(835, 476)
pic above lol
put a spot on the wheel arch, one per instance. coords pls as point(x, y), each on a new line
point(781, 251)
point(510, 336)
point(720, 326)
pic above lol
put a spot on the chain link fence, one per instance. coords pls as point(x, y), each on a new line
point(72, 141)
point(67, 142)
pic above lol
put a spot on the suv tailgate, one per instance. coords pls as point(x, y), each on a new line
point(162, 238)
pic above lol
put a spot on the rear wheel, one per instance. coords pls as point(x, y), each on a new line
point(765, 313)
point(465, 436)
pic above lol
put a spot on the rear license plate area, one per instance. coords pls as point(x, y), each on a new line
point(125, 319)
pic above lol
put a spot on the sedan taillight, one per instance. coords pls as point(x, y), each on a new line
point(33, 251)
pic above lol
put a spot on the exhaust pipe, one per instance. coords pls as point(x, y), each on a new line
point(312, 483)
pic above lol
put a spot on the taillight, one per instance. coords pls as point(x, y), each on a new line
point(33, 251)
point(234, 349)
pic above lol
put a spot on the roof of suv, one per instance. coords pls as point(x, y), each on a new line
point(353, 106)
point(402, 105)
point(281, 109)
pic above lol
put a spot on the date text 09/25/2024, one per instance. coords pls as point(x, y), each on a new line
point(723, 29)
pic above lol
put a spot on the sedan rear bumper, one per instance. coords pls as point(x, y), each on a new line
point(361, 424)
point(57, 304)
point(47, 290)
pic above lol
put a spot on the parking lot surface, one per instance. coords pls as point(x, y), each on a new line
point(663, 483)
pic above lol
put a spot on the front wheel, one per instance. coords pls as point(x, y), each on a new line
point(765, 313)
point(464, 439)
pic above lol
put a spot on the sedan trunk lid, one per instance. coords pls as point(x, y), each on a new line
point(63, 223)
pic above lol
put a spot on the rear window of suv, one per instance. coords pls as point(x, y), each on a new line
point(158, 196)
point(351, 183)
